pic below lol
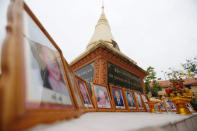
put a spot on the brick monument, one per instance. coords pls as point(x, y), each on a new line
point(104, 63)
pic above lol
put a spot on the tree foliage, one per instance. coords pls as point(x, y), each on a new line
point(189, 70)
point(191, 67)
point(152, 79)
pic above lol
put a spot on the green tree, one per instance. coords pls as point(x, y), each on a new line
point(189, 70)
point(152, 79)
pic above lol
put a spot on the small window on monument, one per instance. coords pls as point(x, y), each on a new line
point(3, 20)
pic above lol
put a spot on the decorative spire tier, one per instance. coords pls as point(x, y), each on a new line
point(102, 33)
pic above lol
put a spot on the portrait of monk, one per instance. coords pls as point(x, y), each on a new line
point(50, 68)
point(102, 97)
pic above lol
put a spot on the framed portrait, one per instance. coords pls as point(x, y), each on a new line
point(130, 100)
point(170, 106)
point(101, 97)
point(38, 90)
point(156, 108)
point(75, 89)
point(117, 98)
point(47, 82)
point(190, 108)
point(144, 98)
point(139, 101)
point(85, 93)
point(162, 106)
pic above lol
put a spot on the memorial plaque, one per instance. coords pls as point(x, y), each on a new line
point(122, 78)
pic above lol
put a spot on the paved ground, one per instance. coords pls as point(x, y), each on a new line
point(112, 121)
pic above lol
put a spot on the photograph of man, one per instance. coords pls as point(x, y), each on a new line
point(118, 97)
point(130, 99)
point(139, 100)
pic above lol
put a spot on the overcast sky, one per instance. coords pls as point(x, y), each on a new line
point(158, 33)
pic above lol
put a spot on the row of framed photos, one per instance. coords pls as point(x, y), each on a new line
point(117, 99)
point(37, 85)
point(168, 106)
point(120, 99)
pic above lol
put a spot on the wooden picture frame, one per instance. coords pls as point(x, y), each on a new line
point(168, 106)
point(138, 98)
point(126, 92)
point(76, 92)
point(85, 94)
point(122, 105)
point(17, 113)
point(156, 107)
point(190, 107)
point(95, 93)
point(145, 99)
point(162, 106)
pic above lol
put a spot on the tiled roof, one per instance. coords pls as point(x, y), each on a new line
point(189, 81)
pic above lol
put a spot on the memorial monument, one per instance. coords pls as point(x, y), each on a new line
point(103, 63)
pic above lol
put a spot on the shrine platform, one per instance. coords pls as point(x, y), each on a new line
point(124, 121)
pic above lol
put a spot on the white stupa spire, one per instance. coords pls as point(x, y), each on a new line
point(102, 31)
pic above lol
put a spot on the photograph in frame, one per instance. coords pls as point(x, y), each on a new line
point(190, 108)
point(130, 99)
point(75, 89)
point(47, 82)
point(102, 96)
point(156, 107)
point(169, 105)
point(139, 100)
point(147, 106)
point(145, 101)
point(84, 93)
point(162, 107)
point(118, 98)
point(172, 105)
